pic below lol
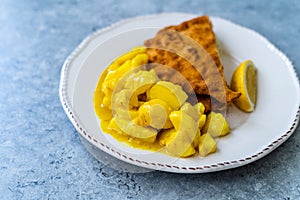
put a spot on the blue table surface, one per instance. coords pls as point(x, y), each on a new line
point(41, 154)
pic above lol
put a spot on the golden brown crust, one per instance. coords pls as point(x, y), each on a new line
point(190, 48)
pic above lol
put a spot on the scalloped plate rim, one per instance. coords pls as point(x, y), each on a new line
point(66, 104)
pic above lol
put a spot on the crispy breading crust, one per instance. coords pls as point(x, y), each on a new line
point(190, 48)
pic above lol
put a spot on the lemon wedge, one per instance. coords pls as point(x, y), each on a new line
point(244, 80)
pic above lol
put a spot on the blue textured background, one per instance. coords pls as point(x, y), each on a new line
point(41, 155)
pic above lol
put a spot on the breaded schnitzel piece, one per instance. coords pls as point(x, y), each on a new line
point(190, 48)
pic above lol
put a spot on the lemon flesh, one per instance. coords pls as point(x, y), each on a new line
point(244, 80)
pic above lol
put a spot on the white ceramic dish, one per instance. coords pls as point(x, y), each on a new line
point(253, 137)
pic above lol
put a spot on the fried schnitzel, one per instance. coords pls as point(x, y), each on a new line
point(190, 48)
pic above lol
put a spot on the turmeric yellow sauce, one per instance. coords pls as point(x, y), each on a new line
point(140, 110)
point(106, 115)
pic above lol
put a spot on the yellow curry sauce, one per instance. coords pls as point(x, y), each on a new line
point(106, 115)
point(150, 114)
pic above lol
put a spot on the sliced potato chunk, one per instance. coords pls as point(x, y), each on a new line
point(207, 145)
point(200, 107)
point(180, 145)
point(166, 135)
point(155, 113)
point(186, 129)
point(216, 125)
point(144, 134)
point(190, 110)
point(168, 92)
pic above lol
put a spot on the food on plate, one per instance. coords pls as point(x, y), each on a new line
point(143, 103)
point(191, 49)
point(168, 92)
point(148, 113)
point(115, 71)
point(186, 126)
point(154, 113)
point(244, 80)
point(207, 144)
point(216, 125)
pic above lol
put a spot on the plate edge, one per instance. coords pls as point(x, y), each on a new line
point(177, 169)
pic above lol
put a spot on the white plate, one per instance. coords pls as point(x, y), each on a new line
point(257, 134)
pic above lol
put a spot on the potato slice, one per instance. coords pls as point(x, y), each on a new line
point(113, 76)
point(207, 145)
point(142, 133)
point(168, 92)
point(216, 125)
point(183, 122)
point(140, 81)
point(155, 113)
point(166, 135)
point(180, 145)
point(186, 129)
point(139, 60)
point(127, 56)
point(200, 107)
point(124, 100)
point(190, 110)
